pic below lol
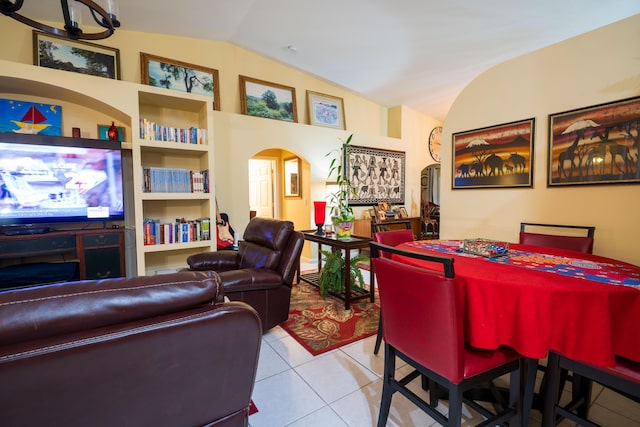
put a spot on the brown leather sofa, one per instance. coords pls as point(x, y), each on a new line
point(146, 351)
point(261, 272)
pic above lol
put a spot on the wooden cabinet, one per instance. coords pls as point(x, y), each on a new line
point(99, 252)
point(362, 227)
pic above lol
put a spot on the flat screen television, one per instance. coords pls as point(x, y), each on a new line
point(52, 179)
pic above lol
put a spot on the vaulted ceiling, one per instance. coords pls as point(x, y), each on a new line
point(418, 53)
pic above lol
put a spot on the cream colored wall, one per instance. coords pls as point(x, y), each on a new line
point(597, 67)
point(237, 137)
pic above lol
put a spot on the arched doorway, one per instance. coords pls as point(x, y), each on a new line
point(430, 195)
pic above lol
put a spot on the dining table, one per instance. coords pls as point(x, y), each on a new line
point(538, 299)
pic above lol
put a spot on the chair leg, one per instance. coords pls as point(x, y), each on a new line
point(376, 349)
point(455, 407)
point(387, 388)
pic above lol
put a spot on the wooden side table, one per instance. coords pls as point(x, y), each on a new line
point(346, 245)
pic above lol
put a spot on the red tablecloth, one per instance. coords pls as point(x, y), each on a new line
point(539, 299)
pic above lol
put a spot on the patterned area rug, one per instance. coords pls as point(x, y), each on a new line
point(321, 324)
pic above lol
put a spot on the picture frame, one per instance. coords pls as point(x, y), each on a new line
point(595, 145)
point(292, 175)
point(325, 110)
point(30, 117)
point(260, 98)
point(402, 212)
point(60, 53)
point(499, 156)
point(377, 175)
point(158, 71)
point(103, 129)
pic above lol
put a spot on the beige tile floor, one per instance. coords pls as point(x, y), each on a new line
point(343, 388)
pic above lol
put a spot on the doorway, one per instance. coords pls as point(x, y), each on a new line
point(430, 200)
point(262, 176)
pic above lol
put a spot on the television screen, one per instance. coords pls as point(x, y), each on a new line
point(47, 179)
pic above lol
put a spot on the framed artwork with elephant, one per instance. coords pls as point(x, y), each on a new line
point(494, 156)
point(595, 145)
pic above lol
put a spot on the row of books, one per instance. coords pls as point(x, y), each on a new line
point(180, 231)
point(153, 131)
point(174, 180)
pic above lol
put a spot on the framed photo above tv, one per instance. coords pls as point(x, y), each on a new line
point(325, 110)
point(595, 145)
point(32, 118)
point(181, 76)
point(71, 55)
point(269, 100)
point(377, 175)
point(494, 157)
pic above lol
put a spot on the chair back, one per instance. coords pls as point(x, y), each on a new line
point(393, 238)
point(272, 244)
point(562, 240)
point(422, 311)
point(389, 225)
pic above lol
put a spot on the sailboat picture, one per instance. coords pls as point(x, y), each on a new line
point(30, 117)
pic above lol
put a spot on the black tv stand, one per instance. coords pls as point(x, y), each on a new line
point(21, 231)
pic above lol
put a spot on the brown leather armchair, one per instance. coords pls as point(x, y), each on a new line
point(146, 351)
point(261, 272)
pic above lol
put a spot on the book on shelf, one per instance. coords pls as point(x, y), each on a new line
point(150, 130)
point(174, 180)
point(157, 232)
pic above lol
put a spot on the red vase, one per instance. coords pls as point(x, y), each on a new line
point(319, 210)
point(112, 133)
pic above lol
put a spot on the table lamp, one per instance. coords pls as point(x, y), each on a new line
point(319, 210)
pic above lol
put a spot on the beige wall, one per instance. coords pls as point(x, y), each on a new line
point(598, 67)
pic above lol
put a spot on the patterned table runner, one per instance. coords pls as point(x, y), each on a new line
point(605, 272)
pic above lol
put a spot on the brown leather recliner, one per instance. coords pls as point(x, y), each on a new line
point(261, 272)
point(146, 351)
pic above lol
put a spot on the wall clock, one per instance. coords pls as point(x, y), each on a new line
point(434, 143)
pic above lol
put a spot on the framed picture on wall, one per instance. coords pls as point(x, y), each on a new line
point(269, 100)
point(78, 56)
point(494, 156)
point(181, 76)
point(292, 178)
point(377, 174)
point(325, 110)
point(595, 145)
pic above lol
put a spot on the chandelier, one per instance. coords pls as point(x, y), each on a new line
point(105, 16)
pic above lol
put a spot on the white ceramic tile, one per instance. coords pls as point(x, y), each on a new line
point(334, 375)
point(321, 418)
point(362, 351)
point(274, 333)
point(270, 363)
point(361, 408)
point(608, 418)
point(291, 351)
point(282, 399)
point(619, 404)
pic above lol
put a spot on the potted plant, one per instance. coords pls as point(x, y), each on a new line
point(332, 273)
point(342, 217)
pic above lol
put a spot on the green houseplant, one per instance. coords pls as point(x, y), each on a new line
point(332, 274)
point(342, 217)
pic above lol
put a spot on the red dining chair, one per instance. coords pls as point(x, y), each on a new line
point(562, 237)
point(390, 238)
point(623, 378)
point(414, 300)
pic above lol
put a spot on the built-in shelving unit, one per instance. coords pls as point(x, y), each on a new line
point(87, 101)
point(177, 112)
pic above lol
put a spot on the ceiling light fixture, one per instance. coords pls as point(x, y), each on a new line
point(105, 16)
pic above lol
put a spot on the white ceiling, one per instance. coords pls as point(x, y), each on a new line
point(418, 53)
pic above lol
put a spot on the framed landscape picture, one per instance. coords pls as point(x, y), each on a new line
point(80, 57)
point(595, 145)
point(325, 110)
point(494, 156)
point(270, 100)
point(377, 175)
point(181, 76)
